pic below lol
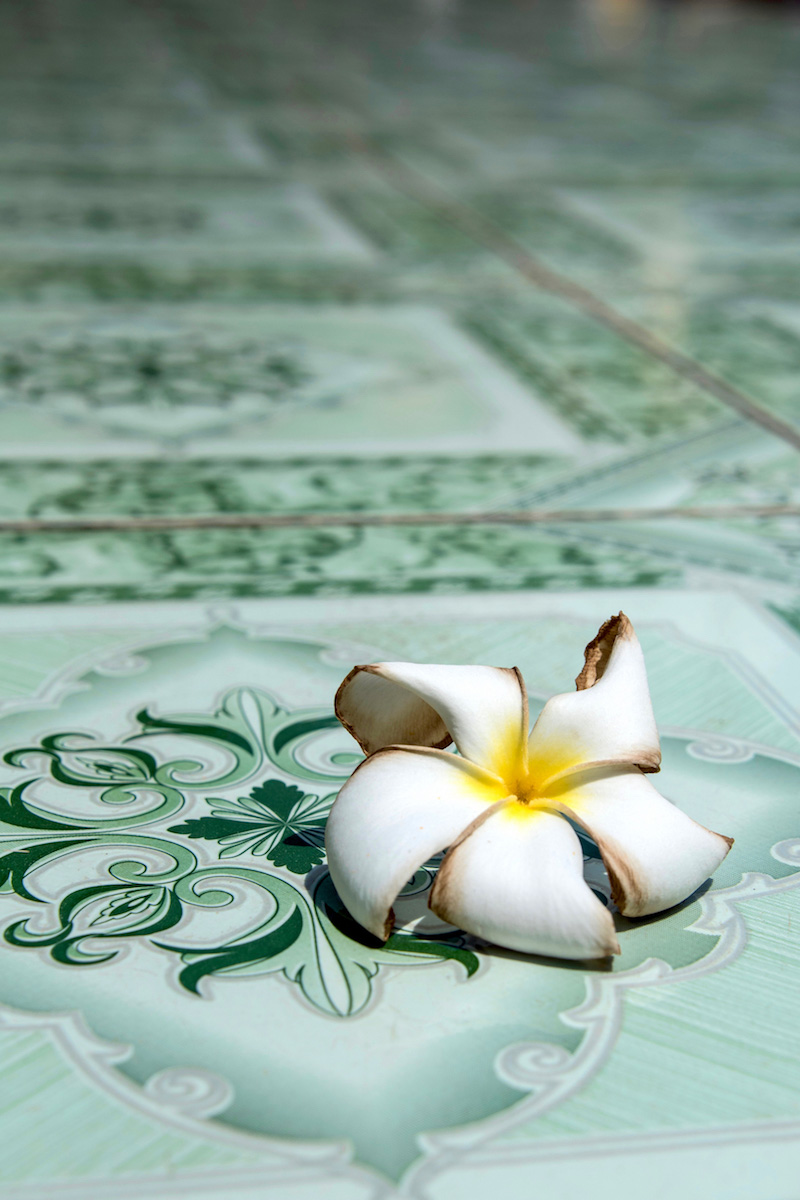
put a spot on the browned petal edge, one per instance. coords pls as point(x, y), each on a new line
point(625, 886)
point(526, 720)
point(598, 651)
point(650, 758)
point(461, 762)
point(437, 900)
point(337, 702)
point(372, 669)
point(617, 888)
point(627, 890)
point(648, 761)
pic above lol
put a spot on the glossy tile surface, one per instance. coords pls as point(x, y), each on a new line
point(333, 333)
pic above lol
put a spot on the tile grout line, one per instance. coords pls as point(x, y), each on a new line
point(486, 232)
point(539, 516)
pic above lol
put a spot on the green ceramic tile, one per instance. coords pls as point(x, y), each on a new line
point(772, 333)
point(124, 142)
point(335, 559)
point(608, 389)
point(745, 329)
point(138, 487)
point(693, 223)
point(399, 377)
point(95, 567)
point(61, 219)
point(729, 464)
point(241, 274)
point(94, 923)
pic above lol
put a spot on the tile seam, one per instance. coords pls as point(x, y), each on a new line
point(294, 520)
point(487, 233)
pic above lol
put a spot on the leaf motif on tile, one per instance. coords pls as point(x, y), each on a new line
point(150, 877)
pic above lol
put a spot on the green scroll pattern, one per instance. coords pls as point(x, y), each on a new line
point(160, 879)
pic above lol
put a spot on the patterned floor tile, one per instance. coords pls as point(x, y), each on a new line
point(319, 484)
point(608, 389)
point(166, 711)
point(729, 464)
point(150, 222)
point(375, 379)
point(208, 563)
point(330, 334)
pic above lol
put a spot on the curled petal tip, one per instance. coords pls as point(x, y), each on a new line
point(598, 651)
point(648, 759)
point(656, 856)
point(379, 713)
point(608, 719)
point(484, 710)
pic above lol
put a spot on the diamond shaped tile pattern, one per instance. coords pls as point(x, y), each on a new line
point(334, 333)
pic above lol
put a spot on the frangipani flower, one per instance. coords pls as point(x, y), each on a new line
point(513, 872)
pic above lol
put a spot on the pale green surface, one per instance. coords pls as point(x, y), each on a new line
point(735, 1077)
point(441, 1026)
point(253, 260)
point(57, 1125)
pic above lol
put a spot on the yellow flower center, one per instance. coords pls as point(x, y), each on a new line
point(528, 784)
point(531, 784)
point(527, 791)
point(528, 787)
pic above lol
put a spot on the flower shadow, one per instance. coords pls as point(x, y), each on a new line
point(597, 966)
point(623, 924)
point(326, 901)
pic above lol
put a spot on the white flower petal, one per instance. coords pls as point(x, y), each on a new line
point(516, 879)
point(608, 720)
point(378, 713)
point(399, 807)
point(655, 855)
point(483, 709)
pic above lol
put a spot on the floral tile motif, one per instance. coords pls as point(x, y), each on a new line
point(727, 466)
point(86, 220)
point(282, 260)
point(609, 390)
point(276, 821)
point(310, 377)
point(202, 486)
point(178, 847)
point(99, 567)
point(92, 568)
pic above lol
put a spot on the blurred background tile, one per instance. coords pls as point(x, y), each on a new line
point(434, 329)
